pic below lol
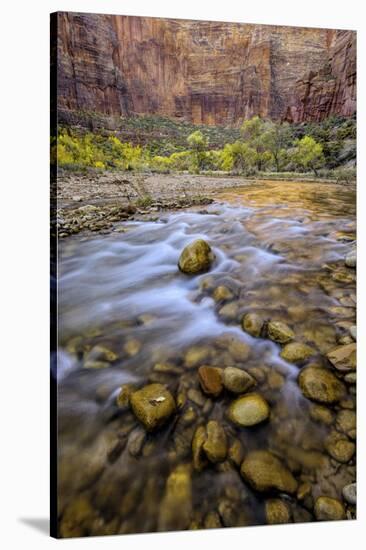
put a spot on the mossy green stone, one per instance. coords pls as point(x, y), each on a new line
point(196, 257)
point(279, 332)
point(152, 405)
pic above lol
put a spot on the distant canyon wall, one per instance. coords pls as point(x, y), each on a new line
point(203, 72)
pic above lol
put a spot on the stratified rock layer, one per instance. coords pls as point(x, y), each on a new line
point(202, 71)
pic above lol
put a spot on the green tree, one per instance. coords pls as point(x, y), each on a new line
point(276, 139)
point(198, 144)
point(254, 133)
point(308, 154)
point(238, 157)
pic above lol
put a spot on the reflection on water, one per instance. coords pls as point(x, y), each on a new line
point(125, 310)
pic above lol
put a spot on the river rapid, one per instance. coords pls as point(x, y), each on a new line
point(127, 315)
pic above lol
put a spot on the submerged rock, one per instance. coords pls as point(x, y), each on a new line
point(277, 511)
point(212, 521)
point(199, 457)
point(353, 332)
point(153, 405)
point(327, 509)
point(351, 259)
point(321, 414)
point(321, 385)
point(253, 324)
point(342, 450)
point(176, 506)
point(349, 493)
point(196, 355)
point(210, 380)
point(229, 311)
point(265, 472)
point(222, 293)
point(236, 452)
point(215, 445)
point(123, 397)
point(280, 332)
point(343, 358)
point(196, 257)
point(346, 421)
point(249, 410)
point(296, 352)
point(237, 380)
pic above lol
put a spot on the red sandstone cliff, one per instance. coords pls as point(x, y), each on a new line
point(204, 72)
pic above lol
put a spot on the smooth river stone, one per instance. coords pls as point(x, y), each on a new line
point(252, 323)
point(249, 410)
point(321, 385)
point(152, 405)
point(279, 332)
point(327, 509)
point(343, 358)
point(196, 257)
point(237, 380)
point(210, 379)
point(265, 472)
point(296, 352)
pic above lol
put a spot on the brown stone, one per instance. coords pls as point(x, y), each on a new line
point(210, 380)
point(343, 358)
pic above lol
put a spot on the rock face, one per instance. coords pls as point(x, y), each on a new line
point(196, 257)
point(331, 88)
point(265, 472)
point(202, 71)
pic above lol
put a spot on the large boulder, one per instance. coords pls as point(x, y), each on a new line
point(321, 385)
point(279, 332)
point(248, 410)
point(265, 472)
point(196, 257)
point(152, 405)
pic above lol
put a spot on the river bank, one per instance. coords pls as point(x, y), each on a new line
point(95, 202)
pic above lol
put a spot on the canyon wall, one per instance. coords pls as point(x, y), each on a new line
point(203, 72)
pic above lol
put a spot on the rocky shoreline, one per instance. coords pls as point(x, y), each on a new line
point(96, 202)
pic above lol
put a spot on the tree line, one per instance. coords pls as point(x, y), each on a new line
point(263, 145)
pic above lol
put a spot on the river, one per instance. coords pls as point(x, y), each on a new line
point(124, 308)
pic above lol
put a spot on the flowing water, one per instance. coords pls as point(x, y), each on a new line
point(125, 310)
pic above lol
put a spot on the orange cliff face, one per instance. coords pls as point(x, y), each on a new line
point(203, 72)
